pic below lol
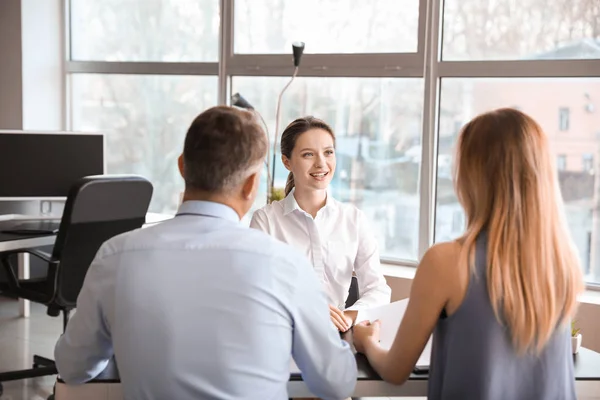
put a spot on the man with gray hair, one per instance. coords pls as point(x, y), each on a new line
point(199, 306)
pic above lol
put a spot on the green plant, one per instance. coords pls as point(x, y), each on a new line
point(574, 331)
point(277, 194)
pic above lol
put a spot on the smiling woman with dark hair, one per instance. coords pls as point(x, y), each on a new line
point(334, 236)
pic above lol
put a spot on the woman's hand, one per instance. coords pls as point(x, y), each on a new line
point(341, 321)
point(365, 334)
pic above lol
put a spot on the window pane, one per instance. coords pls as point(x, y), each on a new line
point(526, 29)
point(573, 150)
point(326, 26)
point(145, 119)
point(378, 127)
point(144, 30)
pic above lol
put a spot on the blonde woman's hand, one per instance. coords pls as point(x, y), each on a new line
point(366, 334)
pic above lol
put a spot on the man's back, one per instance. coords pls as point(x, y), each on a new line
point(201, 307)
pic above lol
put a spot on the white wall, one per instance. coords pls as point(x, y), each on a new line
point(11, 97)
point(31, 57)
point(43, 55)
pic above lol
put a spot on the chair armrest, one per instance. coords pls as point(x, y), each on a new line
point(43, 255)
point(13, 281)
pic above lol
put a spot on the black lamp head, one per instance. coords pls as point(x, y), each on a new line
point(238, 101)
point(298, 49)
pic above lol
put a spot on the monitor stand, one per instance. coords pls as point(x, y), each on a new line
point(31, 209)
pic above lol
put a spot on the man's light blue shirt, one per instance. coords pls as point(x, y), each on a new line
point(201, 307)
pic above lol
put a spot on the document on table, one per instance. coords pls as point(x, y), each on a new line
point(390, 315)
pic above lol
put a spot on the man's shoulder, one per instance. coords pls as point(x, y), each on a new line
point(234, 238)
point(261, 243)
point(117, 244)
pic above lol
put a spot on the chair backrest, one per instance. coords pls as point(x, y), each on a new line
point(97, 208)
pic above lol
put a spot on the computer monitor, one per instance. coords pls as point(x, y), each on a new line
point(38, 165)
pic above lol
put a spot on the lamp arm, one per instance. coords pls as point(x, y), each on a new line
point(274, 151)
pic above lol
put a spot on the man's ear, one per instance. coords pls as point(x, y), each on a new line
point(181, 165)
point(250, 185)
point(286, 163)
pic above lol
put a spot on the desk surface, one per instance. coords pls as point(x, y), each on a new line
point(11, 241)
point(587, 362)
point(587, 368)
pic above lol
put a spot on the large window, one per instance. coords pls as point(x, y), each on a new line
point(517, 30)
point(144, 118)
point(396, 79)
point(579, 187)
point(541, 58)
point(327, 26)
point(378, 138)
point(145, 30)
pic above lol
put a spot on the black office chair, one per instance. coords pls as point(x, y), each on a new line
point(352, 292)
point(97, 208)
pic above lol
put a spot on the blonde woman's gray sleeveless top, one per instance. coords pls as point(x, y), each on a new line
point(473, 358)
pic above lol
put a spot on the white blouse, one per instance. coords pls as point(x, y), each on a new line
point(337, 241)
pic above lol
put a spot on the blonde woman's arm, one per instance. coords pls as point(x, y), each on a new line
point(435, 283)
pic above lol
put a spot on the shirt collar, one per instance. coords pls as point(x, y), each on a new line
point(209, 208)
point(290, 204)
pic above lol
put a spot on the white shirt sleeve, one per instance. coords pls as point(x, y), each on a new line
point(259, 221)
point(372, 286)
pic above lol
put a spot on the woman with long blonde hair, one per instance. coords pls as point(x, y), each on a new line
point(499, 299)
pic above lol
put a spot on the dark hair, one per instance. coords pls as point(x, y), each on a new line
point(290, 136)
point(220, 145)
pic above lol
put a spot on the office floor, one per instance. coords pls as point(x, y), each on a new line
point(20, 339)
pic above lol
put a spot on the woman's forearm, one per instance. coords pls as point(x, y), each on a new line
point(378, 358)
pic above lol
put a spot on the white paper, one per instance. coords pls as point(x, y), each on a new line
point(390, 315)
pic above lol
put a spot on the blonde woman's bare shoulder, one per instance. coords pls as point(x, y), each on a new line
point(441, 269)
point(443, 251)
point(442, 258)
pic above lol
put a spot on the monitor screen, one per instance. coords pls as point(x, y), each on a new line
point(45, 165)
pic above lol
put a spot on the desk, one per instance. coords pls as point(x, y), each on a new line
point(107, 385)
point(10, 242)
